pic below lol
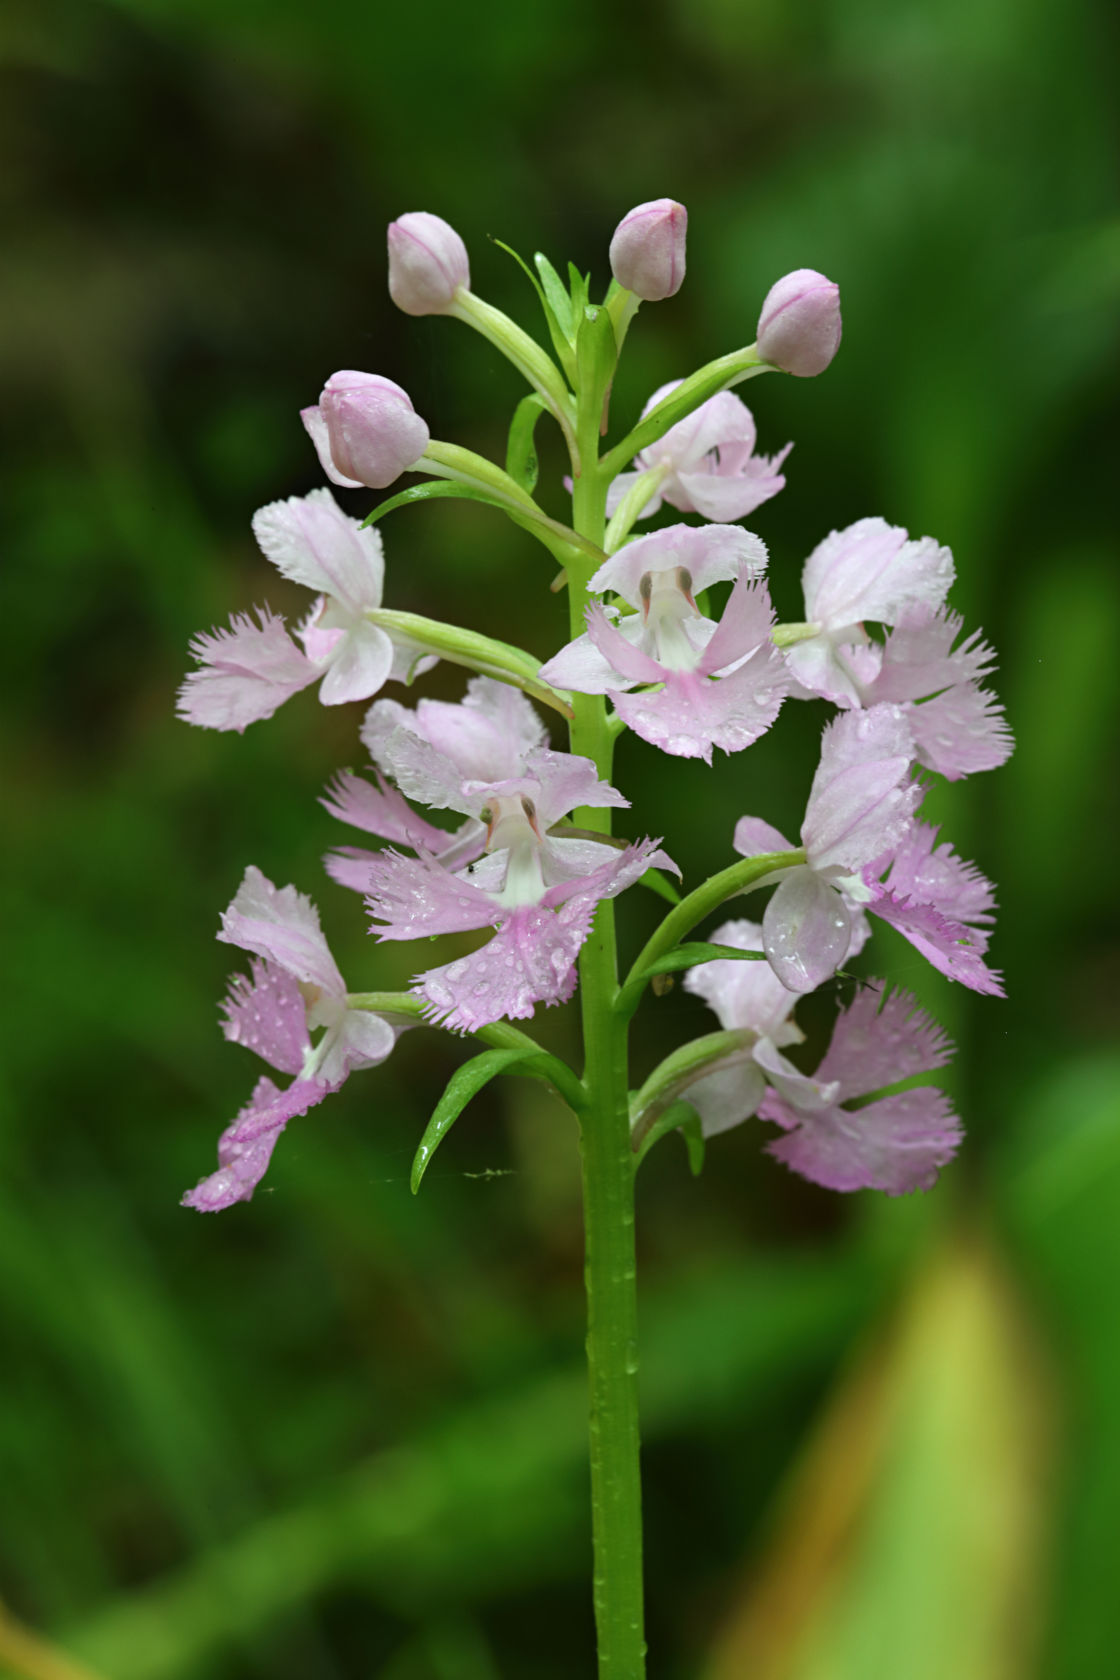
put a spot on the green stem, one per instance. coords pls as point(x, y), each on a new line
point(608, 1182)
point(716, 890)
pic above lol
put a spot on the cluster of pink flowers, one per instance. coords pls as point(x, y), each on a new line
point(878, 642)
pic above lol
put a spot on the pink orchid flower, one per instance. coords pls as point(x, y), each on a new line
point(293, 988)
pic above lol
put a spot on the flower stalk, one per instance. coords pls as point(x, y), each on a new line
point(608, 1168)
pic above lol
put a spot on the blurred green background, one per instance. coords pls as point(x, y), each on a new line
point(339, 1432)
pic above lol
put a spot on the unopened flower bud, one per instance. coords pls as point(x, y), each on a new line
point(799, 328)
point(647, 250)
point(427, 263)
point(365, 430)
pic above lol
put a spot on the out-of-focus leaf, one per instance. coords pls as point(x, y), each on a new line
point(492, 1499)
point(910, 1538)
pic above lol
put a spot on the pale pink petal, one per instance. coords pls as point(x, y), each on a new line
point(755, 838)
point(628, 664)
point(245, 1147)
point(918, 659)
point(404, 752)
point(267, 1014)
point(879, 1039)
point(310, 540)
point(316, 428)
point(723, 419)
point(861, 800)
point(954, 948)
point(282, 925)
point(360, 1039)
point(961, 732)
point(247, 672)
point(360, 665)
point(581, 668)
point(692, 714)
point(820, 666)
point(530, 960)
point(413, 898)
point(564, 781)
point(731, 489)
point(350, 867)
point(381, 810)
point(932, 874)
point(729, 1094)
point(709, 553)
point(572, 860)
point(745, 625)
point(617, 872)
point(805, 1092)
point(872, 570)
point(490, 730)
point(895, 1145)
point(806, 930)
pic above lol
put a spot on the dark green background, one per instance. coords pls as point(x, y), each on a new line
point(337, 1433)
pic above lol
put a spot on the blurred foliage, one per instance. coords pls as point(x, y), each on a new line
point(339, 1432)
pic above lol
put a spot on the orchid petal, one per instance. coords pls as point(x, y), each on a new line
point(361, 664)
point(281, 925)
point(247, 672)
point(267, 1014)
point(806, 930)
point(311, 541)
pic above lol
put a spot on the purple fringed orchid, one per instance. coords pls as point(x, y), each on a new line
point(294, 987)
point(859, 824)
point(451, 757)
point(250, 669)
point(896, 1143)
point(540, 928)
point(871, 571)
point(958, 726)
point(707, 462)
point(722, 685)
point(537, 888)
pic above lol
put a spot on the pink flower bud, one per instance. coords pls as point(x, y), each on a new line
point(799, 328)
point(427, 263)
point(365, 430)
point(647, 250)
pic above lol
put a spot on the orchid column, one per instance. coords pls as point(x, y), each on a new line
point(672, 635)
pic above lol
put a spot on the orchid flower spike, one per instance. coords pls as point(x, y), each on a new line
point(799, 327)
point(706, 462)
point(294, 987)
point(249, 670)
point(896, 1143)
point(668, 641)
point(647, 249)
point(428, 264)
point(365, 430)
